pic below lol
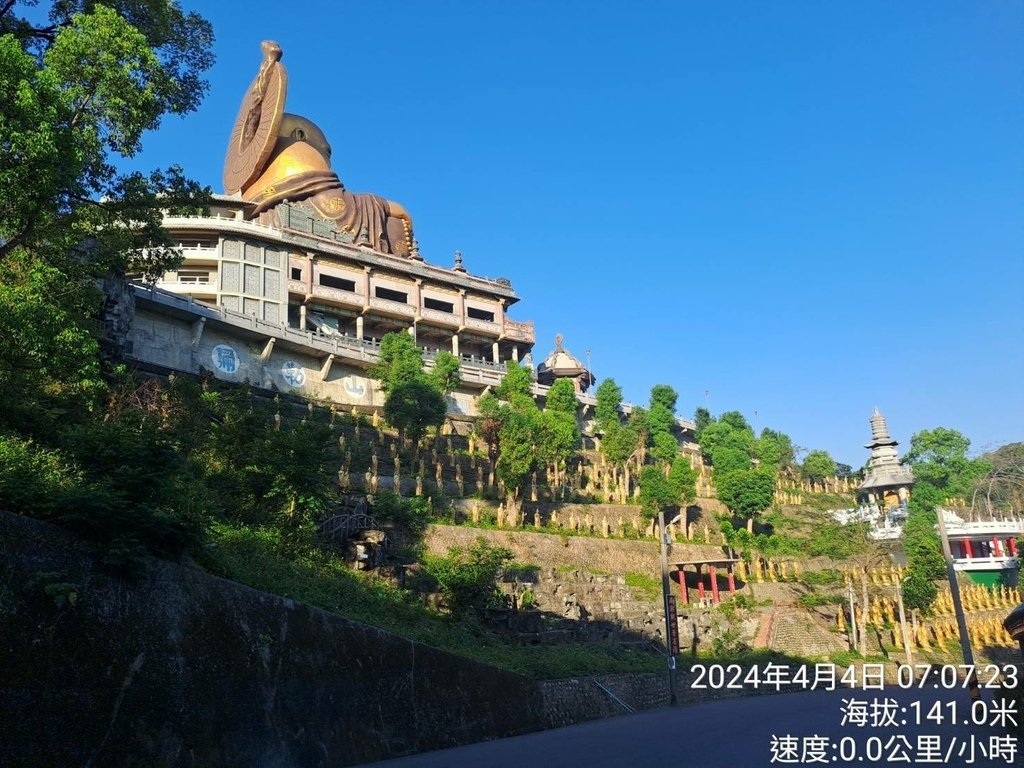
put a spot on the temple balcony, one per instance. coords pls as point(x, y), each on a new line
point(331, 295)
point(985, 563)
point(389, 307)
point(520, 331)
point(200, 256)
point(442, 319)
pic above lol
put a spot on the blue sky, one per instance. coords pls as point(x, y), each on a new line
point(807, 209)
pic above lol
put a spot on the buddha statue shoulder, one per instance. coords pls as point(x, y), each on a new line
point(275, 156)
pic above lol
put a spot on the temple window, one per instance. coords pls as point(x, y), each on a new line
point(201, 276)
point(440, 306)
point(387, 293)
point(330, 281)
point(480, 314)
point(193, 243)
point(296, 273)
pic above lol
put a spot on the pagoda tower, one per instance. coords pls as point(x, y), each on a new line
point(887, 482)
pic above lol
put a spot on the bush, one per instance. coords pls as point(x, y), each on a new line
point(918, 590)
point(468, 578)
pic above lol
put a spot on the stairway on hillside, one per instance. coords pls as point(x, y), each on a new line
point(795, 631)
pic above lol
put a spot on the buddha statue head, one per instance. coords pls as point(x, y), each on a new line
point(300, 147)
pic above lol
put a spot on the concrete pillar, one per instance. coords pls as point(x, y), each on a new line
point(682, 585)
point(494, 352)
point(302, 317)
point(700, 581)
point(1012, 541)
point(732, 581)
point(460, 307)
point(997, 547)
point(412, 332)
point(713, 578)
point(366, 287)
point(359, 327)
point(455, 344)
point(968, 549)
point(515, 353)
point(417, 297)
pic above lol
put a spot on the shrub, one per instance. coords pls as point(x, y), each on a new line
point(468, 578)
point(918, 590)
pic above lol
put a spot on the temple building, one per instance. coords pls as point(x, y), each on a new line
point(887, 482)
point(291, 280)
point(985, 550)
point(563, 364)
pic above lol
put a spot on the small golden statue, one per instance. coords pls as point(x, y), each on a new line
point(275, 156)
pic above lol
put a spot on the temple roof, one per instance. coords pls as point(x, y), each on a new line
point(884, 469)
point(563, 364)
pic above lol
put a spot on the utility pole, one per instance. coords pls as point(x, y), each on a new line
point(671, 624)
point(958, 607)
point(903, 622)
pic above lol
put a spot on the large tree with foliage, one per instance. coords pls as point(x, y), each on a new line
point(399, 361)
point(609, 400)
point(78, 91)
point(774, 449)
point(561, 397)
point(941, 465)
point(747, 492)
point(818, 465)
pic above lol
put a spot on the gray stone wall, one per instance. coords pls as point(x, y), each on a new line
point(180, 668)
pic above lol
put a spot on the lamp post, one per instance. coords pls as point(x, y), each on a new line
point(590, 371)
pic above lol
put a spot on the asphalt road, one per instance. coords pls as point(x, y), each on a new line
point(739, 732)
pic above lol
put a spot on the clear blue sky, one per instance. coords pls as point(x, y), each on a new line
point(808, 209)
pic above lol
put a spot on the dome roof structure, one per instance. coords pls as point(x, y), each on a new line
point(563, 364)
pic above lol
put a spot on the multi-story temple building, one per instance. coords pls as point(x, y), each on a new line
point(291, 280)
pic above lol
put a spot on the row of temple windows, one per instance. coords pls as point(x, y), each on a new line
point(330, 281)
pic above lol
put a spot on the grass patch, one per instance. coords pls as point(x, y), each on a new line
point(644, 585)
point(260, 558)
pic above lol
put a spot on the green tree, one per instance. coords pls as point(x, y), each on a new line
point(517, 383)
point(399, 362)
point(518, 439)
point(728, 459)
point(939, 460)
point(918, 591)
point(558, 437)
point(774, 449)
point(683, 478)
point(736, 420)
point(414, 405)
point(722, 434)
point(609, 400)
point(656, 492)
point(747, 492)
point(664, 447)
point(701, 418)
point(818, 465)
point(445, 375)
point(76, 92)
point(562, 397)
point(665, 396)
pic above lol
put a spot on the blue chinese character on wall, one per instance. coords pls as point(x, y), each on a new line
point(293, 374)
point(225, 359)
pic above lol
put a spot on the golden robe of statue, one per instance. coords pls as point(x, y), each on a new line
point(274, 156)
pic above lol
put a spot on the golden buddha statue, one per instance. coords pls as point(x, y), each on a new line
point(274, 156)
